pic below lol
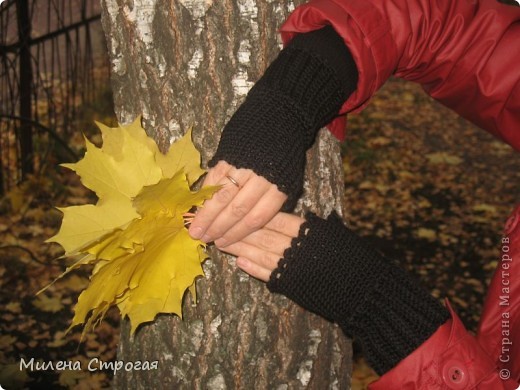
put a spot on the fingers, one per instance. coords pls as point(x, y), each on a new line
point(265, 207)
point(264, 240)
point(258, 254)
point(262, 258)
point(236, 215)
point(245, 203)
point(253, 269)
point(287, 224)
point(256, 262)
point(215, 216)
point(217, 173)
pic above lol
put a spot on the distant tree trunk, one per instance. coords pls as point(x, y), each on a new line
point(25, 69)
point(184, 62)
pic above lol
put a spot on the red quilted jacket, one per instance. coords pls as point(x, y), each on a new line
point(465, 54)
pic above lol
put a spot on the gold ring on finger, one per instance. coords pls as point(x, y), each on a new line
point(232, 180)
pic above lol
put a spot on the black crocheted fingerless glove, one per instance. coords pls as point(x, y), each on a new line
point(300, 92)
point(331, 271)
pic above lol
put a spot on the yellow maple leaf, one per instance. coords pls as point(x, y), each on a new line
point(144, 259)
point(82, 225)
point(182, 155)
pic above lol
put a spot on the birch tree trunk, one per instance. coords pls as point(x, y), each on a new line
point(191, 62)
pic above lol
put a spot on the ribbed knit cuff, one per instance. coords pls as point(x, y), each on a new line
point(394, 319)
point(302, 90)
point(331, 271)
point(329, 46)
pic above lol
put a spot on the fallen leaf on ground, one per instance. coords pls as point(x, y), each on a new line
point(443, 158)
point(48, 304)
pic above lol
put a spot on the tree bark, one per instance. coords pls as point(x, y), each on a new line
point(191, 62)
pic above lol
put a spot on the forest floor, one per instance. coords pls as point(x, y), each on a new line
point(423, 185)
point(431, 191)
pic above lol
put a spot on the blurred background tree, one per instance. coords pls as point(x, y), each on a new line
point(53, 68)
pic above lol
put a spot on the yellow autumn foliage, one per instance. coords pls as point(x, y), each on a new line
point(144, 260)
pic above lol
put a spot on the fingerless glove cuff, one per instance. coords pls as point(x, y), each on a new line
point(331, 271)
point(302, 90)
point(394, 319)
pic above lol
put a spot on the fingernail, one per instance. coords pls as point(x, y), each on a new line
point(206, 238)
point(196, 232)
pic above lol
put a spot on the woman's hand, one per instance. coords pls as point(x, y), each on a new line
point(258, 254)
point(244, 204)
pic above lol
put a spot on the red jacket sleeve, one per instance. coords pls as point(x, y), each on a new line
point(464, 53)
point(450, 359)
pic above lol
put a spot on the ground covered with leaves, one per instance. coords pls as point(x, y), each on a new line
point(431, 191)
point(33, 326)
point(422, 184)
